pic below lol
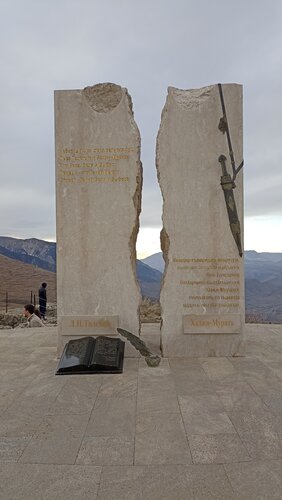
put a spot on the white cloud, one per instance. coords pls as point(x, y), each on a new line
point(148, 242)
point(263, 233)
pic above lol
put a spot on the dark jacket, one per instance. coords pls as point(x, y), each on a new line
point(42, 294)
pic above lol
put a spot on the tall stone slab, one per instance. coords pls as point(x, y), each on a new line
point(98, 192)
point(202, 295)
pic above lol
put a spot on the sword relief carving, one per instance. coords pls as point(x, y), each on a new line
point(227, 182)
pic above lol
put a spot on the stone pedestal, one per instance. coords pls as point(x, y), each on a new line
point(98, 191)
point(202, 296)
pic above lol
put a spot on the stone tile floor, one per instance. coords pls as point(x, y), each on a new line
point(198, 428)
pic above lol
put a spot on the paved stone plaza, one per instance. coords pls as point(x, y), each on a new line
point(198, 428)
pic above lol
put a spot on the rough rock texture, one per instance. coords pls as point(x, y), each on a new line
point(103, 97)
point(99, 182)
point(202, 296)
point(10, 320)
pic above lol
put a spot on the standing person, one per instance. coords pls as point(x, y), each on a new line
point(42, 300)
point(32, 318)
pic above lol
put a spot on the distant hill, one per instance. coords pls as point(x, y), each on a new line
point(263, 285)
point(39, 253)
point(252, 255)
point(262, 266)
point(156, 261)
point(149, 280)
point(20, 279)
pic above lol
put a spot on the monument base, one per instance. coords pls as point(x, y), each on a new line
point(202, 345)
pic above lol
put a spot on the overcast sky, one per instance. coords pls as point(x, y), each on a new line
point(145, 46)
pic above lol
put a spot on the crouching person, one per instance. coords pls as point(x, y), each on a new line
point(32, 318)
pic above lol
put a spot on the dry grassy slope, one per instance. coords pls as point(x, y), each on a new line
point(18, 279)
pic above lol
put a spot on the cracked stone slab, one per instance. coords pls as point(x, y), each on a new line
point(202, 294)
point(98, 185)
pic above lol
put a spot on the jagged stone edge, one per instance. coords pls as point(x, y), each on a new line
point(164, 236)
point(137, 199)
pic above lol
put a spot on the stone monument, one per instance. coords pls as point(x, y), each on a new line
point(98, 195)
point(199, 165)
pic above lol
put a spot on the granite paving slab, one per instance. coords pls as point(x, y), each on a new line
point(217, 368)
point(123, 385)
point(57, 440)
point(149, 400)
point(106, 450)
point(165, 482)
point(161, 439)
point(199, 404)
point(208, 482)
point(217, 449)
point(263, 445)
point(11, 448)
point(231, 395)
point(78, 395)
point(204, 415)
point(207, 423)
point(112, 417)
point(261, 480)
point(23, 423)
point(253, 415)
point(156, 389)
point(49, 482)
point(146, 483)
point(273, 400)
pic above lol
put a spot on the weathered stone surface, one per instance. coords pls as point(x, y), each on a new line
point(99, 180)
point(202, 296)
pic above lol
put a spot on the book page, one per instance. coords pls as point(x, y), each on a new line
point(106, 352)
point(77, 354)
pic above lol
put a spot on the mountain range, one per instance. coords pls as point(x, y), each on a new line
point(42, 255)
point(263, 274)
point(39, 253)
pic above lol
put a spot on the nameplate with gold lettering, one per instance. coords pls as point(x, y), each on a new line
point(212, 323)
point(89, 325)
